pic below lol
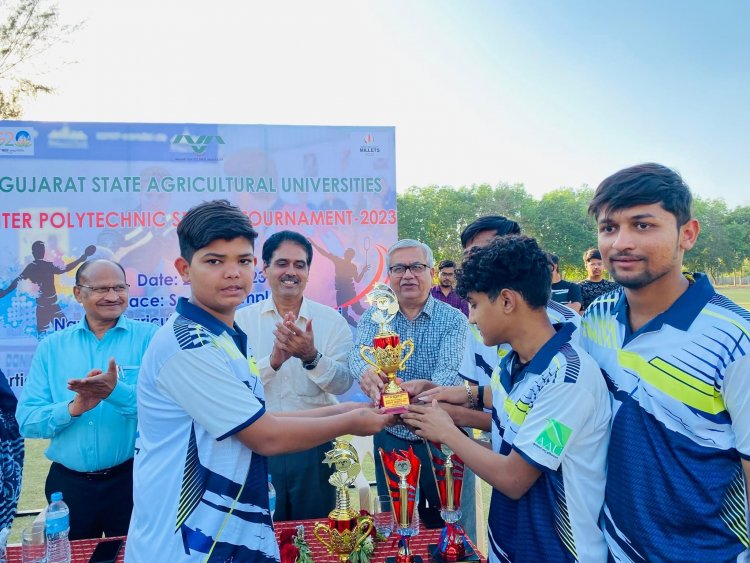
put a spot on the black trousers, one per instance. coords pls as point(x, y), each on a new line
point(301, 483)
point(99, 503)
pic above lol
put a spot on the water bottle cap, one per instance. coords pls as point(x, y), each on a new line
point(56, 496)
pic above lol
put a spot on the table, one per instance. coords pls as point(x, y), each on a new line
point(81, 550)
point(384, 549)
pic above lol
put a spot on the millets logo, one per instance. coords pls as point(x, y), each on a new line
point(368, 147)
point(199, 144)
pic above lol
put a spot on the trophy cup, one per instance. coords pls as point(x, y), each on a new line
point(401, 470)
point(387, 349)
point(448, 470)
point(345, 530)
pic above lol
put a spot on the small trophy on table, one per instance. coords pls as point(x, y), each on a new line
point(448, 470)
point(345, 530)
point(389, 354)
point(401, 470)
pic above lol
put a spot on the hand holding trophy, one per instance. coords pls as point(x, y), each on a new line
point(388, 353)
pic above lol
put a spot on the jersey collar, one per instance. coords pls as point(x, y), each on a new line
point(204, 318)
point(681, 314)
point(541, 359)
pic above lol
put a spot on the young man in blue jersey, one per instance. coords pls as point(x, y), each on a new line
point(550, 407)
point(200, 479)
point(675, 356)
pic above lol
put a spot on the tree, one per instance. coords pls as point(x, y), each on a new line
point(28, 29)
point(563, 227)
point(436, 215)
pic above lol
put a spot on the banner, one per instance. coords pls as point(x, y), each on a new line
point(73, 192)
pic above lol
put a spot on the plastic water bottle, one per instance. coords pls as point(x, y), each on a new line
point(57, 528)
point(271, 497)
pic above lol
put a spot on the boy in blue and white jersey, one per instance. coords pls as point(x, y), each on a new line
point(200, 479)
point(676, 358)
point(549, 403)
point(480, 360)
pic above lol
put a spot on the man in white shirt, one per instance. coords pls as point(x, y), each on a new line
point(301, 348)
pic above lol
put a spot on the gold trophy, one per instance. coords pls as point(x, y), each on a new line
point(387, 349)
point(345, 530)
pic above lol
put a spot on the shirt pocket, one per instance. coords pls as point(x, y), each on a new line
point(128, 373)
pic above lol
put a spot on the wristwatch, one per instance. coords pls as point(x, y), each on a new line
point(312, 364)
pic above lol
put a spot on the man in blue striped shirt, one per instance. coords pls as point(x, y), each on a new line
point(74, 397)
point(439, 334)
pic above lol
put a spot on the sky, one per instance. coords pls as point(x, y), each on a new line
point(544, 93)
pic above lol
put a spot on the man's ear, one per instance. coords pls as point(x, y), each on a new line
point(77, 293)
point(509, 300)
point(689, 234)
point(183, 268)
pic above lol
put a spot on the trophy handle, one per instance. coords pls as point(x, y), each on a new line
point(362, 531)
point(321, 529)
point(408, 343)
point(365, 357)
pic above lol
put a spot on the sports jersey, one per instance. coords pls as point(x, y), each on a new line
point(681, 426)
point(199, 493)
point(555, 413)
point(479, 360)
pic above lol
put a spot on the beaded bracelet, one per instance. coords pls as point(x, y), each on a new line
point(472, 402)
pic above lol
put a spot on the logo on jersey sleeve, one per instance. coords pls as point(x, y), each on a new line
point(553, 438)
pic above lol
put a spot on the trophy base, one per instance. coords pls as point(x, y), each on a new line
point(436, 556)
point(414, 559)
point(394, 403)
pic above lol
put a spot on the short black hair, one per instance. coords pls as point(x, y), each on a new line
point(501, 225)
point(644, 184)
point(592, 254)
point(210, 221)
point(81, 271)
point(276, 239)
point(509, 262)
point(554, 259)
point(446, 264)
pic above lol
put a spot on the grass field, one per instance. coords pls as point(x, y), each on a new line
point(36, 465)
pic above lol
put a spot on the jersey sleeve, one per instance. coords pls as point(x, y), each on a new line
point(553, 424)
point(736, 395)
point(204, 385)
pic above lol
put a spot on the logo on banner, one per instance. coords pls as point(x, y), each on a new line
point(199, 143)
point(17, 142)
point(68, 138)
point(369, 146)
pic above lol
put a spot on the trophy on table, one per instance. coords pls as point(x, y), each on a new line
point(401, 470)
point(448, 470)
point(345, 530)
point(389, 354)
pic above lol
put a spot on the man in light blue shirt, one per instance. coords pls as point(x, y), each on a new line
point(81, 394)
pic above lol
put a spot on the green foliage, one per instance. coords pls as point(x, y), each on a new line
point(28, 29)
point(436, 215)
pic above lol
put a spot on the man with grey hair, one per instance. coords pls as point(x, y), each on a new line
point(439, 334)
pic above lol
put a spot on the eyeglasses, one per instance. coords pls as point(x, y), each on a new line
point(400, 269)
point(104, 290)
